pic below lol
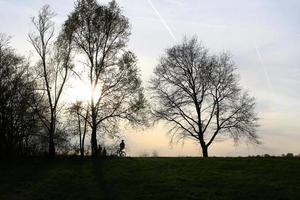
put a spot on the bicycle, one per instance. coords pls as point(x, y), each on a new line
point(121, 153)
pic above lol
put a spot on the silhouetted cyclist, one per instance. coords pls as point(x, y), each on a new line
point(121, 151)
point(122, 145)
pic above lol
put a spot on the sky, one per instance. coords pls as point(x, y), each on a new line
point(263, 37)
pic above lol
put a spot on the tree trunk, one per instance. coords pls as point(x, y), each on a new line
point(82, 141)
point(51, 138)
point(94, 127)
point(81, 152)
point(94, 141)
point(204, 148)
point(82, 147)
point(51, 145)
point(204, 151)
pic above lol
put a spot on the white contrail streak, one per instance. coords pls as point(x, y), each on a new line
point(264, 68)
point(269, 84)
point(175, 39)
point(162, 21)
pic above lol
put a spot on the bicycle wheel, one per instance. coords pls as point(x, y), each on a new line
point(122, 154)
point(118, 153)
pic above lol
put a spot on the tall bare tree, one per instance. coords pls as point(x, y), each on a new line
point(199, 96)
point(100, 33)
point(54, 65)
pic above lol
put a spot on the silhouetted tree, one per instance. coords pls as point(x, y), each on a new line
point(19, 124)
point(199, 96)
point(100, 34)
point(80, 113)
point(53, 67)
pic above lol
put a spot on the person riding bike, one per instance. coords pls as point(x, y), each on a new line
point(122, 145)
point(121, 151)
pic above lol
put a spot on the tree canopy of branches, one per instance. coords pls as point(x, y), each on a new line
point(53, 67)
point(100, 33)
point(18, 121)
point(199, 96)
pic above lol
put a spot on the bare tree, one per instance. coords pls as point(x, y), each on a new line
point(199, 96)
point(100, 34)
point(54, 66)
point(78, 109)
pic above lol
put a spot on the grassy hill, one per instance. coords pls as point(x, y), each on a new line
point(151, 178)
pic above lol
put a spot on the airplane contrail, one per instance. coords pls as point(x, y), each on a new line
point(175, 39)
point(264, 68)
point(162, 21)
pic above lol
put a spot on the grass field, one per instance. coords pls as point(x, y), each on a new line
point(151, 178)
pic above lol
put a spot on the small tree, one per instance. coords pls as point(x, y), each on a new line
point(81, 114)
point(53, 67)
point(199, 96)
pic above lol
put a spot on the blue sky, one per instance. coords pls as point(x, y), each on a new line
point(263, 37)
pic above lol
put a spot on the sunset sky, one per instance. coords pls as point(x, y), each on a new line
point(263, 37)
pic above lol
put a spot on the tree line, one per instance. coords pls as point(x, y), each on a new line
point(196, 93)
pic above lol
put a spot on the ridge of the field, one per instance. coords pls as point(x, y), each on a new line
point(150, 178)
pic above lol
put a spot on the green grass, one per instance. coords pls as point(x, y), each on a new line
point(151, 178)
